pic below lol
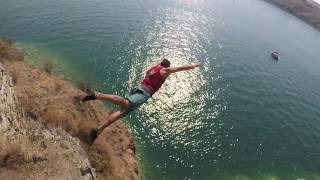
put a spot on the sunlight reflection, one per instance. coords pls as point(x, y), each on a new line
point(175, 42)
point(176, 111)
point(192, 2)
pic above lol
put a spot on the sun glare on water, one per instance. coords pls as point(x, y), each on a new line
point(176, 37)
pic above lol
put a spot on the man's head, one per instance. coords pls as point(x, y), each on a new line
point(165, 63)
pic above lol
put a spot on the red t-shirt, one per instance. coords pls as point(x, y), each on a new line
point(153, 79)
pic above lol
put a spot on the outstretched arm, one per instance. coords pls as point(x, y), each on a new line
point(170, 70)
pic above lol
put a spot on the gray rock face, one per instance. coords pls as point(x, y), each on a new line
point(29, 150)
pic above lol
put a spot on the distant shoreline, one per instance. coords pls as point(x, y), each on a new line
point(307, 10)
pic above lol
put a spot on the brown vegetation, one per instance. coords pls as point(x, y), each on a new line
point(10, 155)
point(8, 52)
point(7, 40)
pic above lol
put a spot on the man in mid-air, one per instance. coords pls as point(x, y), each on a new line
point(154, 78)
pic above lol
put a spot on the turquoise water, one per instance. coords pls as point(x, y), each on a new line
point(240, 116)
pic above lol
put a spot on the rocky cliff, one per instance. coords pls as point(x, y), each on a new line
point(42, 120)
point(28, 150)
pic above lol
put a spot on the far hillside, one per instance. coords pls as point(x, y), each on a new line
point(307, 10)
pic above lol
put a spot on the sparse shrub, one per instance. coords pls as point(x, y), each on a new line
point(48, 66)
point(19, 56)
point(34, 158)
point(31, 114)
point(14, 76)
point(33, 137)
point(58, 86)
point(83, 86)
point(28, 102)
point(86, 86)
point(10, 155)
point(43, 145)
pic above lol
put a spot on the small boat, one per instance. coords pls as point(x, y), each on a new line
point(275, 55)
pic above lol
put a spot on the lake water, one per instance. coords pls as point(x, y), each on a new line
point(241, 115)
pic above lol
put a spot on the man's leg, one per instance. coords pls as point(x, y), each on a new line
point(109, 120)
point(113, 98)
point(94, 133)
point(108, 97)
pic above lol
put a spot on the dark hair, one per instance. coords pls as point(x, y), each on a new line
point(165, 63)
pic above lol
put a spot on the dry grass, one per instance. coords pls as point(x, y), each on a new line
point(60, 118)
point(28, 103)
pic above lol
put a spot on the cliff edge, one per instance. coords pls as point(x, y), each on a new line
point(42, 120)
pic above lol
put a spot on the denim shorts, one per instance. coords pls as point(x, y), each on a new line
point(136, 98)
